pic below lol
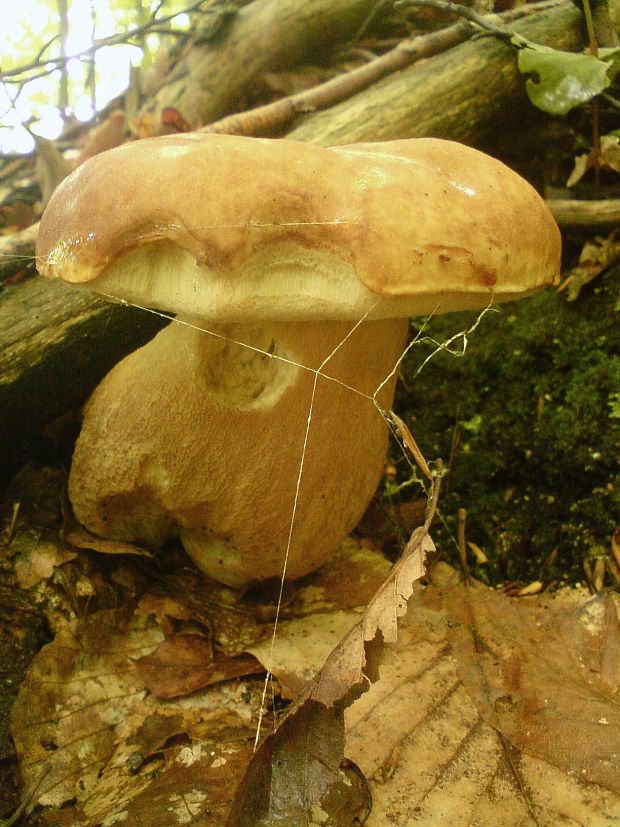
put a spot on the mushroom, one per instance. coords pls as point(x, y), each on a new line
point(250, 424)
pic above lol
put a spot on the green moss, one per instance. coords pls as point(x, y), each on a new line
point(532, 405)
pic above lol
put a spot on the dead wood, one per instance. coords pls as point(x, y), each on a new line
point(209, 79)
point(463, 94)
point(275, 117)
point(587, 214)
point(55, 345)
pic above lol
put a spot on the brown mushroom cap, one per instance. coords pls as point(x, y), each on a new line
point(277, 229)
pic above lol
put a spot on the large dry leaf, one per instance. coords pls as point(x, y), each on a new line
point(296, 776)
point(84, 714)
point(548, 680)
point(430, 755)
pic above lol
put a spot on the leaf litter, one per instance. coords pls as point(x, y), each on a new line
point(487, 710)
point(483, 709)
point(94, 710)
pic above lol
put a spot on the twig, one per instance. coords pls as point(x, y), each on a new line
point(274, 117)
point(578, 213)
point(463, 11)
point(462, 517)
point(277, 116)
point(111, 40)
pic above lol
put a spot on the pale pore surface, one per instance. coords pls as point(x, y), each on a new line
point(282, 282)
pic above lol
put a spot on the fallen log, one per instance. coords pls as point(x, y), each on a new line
point(464, 94)
point(56, 343)
point(210, 78)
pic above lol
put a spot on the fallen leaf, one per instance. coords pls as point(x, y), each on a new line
point(301, 647)
point(296, 779)
point(596, 256)
point(546, 680)
point(37, 559)
point(77, 536)
point(186, 663)
point(301, 778)
point(452, 766)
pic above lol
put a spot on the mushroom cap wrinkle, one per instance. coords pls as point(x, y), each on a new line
point(282, 230)
point(282, 259)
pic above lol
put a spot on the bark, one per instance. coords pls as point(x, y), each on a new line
point(209, 79)
point(55, 345)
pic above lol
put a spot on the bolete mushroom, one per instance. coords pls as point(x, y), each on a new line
point(281, 259)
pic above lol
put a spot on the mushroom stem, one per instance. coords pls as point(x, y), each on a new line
point(212, 432)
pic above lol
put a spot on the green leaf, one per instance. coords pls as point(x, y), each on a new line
point(562, 80)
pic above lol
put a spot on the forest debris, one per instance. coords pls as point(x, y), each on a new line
point(79, 537)
point(209, 77)
point(607, 156)
point(301, 647)
point(51, 167)
point(424, 99)
point(273, 118)
point(38, 559)
point(270, 789)
point(83, 709)
point(596, 256)
point(478, 553)
point(185, 634)
point(452, 764)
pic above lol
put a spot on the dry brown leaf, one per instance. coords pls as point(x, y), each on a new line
point(78, 537)
point(112, 747)
point(607, 156)
point(301, 647)
point(37, 559)
point(431, 757)
point(186, 663)
point(547, 680)
point(51, 167)
point(296, 776)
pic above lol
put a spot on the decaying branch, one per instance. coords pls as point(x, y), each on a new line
point(463, 94)
point(209, 80)
point(586, 214)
